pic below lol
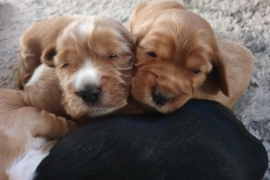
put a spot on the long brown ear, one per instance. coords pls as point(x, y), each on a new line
point(219, 74)
point(47, 56)
point(217, 79)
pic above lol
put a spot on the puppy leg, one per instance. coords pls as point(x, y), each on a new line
point(50, 126)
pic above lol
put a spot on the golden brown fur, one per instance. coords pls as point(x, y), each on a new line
point(178, 58)
point(24, 128)
point(39, 36)
point(44, 93)
point(97, 45)
point(239, 65)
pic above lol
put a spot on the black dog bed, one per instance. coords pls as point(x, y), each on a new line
point(200, 141)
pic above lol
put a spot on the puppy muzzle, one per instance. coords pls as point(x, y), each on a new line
point(90, 94)
point(159, 98)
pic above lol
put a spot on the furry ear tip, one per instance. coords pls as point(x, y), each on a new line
point(223, 83)
point(226, 91)
point(222, 74)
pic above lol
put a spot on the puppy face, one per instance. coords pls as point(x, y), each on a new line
point(94, 63)
point(176, 55)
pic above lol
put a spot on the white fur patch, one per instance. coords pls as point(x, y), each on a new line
point(86, 27)
point(87, 75)
point(78, 30)
point(25, 168)
point(37, 74)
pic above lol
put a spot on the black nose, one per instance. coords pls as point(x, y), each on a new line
point(159, 98)
point(90, 94)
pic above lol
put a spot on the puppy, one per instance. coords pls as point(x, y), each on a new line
point(93, 59)
point(178, 58)
point(43, 92)
point(26, 135)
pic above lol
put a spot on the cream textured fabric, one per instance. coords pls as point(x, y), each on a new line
point(245, 21)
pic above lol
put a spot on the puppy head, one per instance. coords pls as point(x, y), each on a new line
point(94, 63)
point(175, 56)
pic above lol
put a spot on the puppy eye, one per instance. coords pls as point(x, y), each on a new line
point(152, 54)
point(196, 71)
point(112, 56)
point(64, 65)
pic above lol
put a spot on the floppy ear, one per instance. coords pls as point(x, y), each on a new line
point(48, 55)
point(217, 79)
point(219, 73)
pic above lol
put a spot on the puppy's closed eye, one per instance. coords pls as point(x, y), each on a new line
point(196, 71)
point(152, 54)
point(64, 65)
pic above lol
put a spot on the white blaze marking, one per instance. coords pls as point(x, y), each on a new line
point(80, 29)
point(87, 75)
point(86, 27)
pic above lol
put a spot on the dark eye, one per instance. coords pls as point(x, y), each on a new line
point(112, 56)
point(152, 54)
point(64, 65)
point(196, 71)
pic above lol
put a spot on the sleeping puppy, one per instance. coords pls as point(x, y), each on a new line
point(178, 58)
point(93, 61)
point(43, 92)
point(26, 135)
point(200, 141)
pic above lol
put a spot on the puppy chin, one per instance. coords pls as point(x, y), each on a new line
point(98, 112)
point(78, 109)
point(144, 85)
point(146, 99)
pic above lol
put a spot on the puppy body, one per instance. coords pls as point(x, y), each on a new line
point(39, 36)
point(26, 135)
point(178, 58)
point(93, 59)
